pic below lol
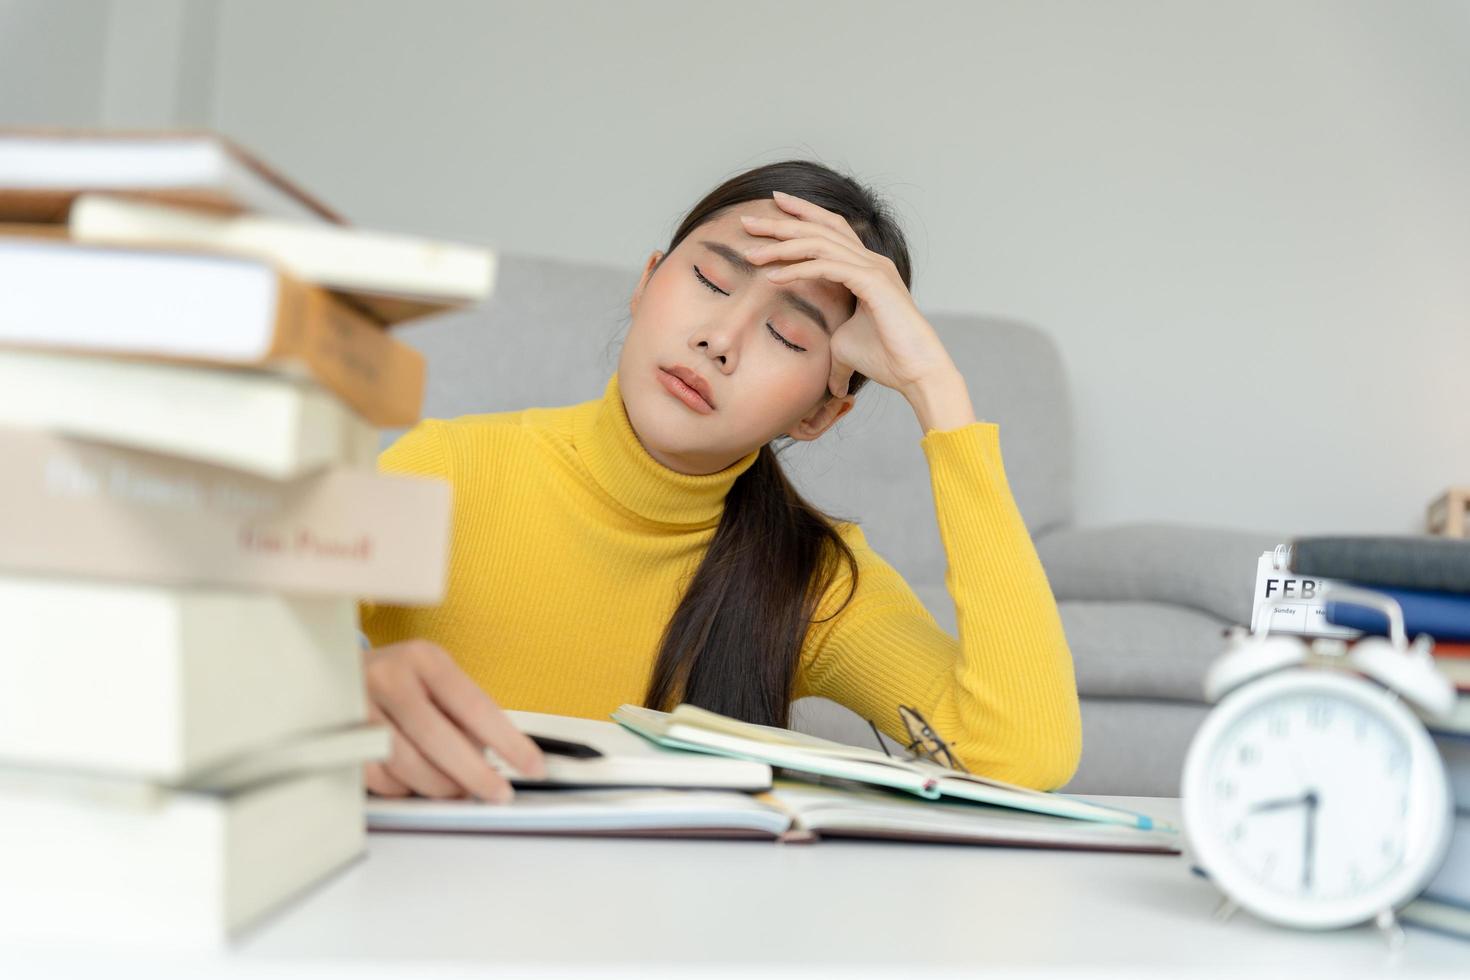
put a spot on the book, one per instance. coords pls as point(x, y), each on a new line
point(202, 308)
point(793, 811)
point(1453, 920)
point(43, 170)
point(188, 870)
point(1457, 669)
point(276, 427)
point(1395, 561)
point(160, 683)
point(1443, 615)
point(695, 729)
point(585, 752)
point(618, 812)
point(1457, 722)
point(1451, 883)
point(77, 508)
point(1454, 750)
point(311, 751)
point(394, 277)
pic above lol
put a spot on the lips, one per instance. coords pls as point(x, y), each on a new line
point(694, 381)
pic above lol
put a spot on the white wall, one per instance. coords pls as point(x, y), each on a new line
point(1247, 224)
point(51, 57)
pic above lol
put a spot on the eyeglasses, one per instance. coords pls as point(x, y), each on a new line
point(924, 741)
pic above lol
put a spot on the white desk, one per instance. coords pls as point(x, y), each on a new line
point(422, 905)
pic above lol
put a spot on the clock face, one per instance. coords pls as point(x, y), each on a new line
point(1313, 799)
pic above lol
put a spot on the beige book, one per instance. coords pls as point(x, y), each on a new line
point(69, 507)
point(395, 277)
point(43, 169)
point(161, 683)
point(188, 871)
point(273, 426)
point(213, 309)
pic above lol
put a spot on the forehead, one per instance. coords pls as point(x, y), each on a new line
point(727, 228)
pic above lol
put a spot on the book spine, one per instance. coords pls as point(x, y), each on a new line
point(171, 680)
point(1434, 564)
point(75, 508)
point(1443, 615)
point(380, 377)
point(1452, 882)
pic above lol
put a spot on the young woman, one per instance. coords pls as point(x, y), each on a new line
point(646, 547)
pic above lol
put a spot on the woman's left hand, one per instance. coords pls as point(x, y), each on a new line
point(887, 338)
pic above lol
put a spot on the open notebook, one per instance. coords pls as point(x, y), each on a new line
point(584, 752)
point(697, 730)
point(793, 810)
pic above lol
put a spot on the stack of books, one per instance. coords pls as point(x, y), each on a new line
point(1429, 577)
point(694, 773)
point(195, 359)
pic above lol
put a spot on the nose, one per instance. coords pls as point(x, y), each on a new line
point(721, 340)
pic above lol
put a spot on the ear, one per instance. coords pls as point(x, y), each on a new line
point(643, 282)
point(822, 419)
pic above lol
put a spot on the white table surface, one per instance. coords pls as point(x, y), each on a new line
point(450, 904)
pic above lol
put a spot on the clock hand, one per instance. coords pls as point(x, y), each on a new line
point(1309, 851)
point(1281, 804)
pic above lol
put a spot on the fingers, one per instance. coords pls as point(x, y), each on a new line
point(375, 774)
point(412, 768)
point(815, 213)
point(460, 761)
point(407, 766)
point(838, 381)
point(381, 783)
point(430, 754)
point(790, 228)
point(481, 717)
point(795, 249)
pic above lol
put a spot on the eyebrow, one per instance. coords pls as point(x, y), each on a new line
point(748, 269)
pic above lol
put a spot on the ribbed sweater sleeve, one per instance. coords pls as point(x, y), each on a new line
point(1003, 693)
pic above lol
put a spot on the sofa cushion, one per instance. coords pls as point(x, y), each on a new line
point(1134, 746)
point(1209, 569)
point(1141, 649)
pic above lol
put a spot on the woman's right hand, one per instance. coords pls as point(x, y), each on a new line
point(441, 723)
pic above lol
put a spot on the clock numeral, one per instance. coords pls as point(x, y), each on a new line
point(1319, 714)
point(1397, 760)
point(1249, 755)
point(1225, 789)
point(1237, 832)
point(1277, 724)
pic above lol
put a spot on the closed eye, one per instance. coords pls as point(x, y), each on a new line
point(700, 276)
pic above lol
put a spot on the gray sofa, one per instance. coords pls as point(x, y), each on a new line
point(1145, 606)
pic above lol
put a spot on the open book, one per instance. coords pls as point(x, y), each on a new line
point(792, 811)
point(695, 729)
point(584, 752)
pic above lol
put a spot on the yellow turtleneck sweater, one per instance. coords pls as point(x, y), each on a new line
point(571, 545)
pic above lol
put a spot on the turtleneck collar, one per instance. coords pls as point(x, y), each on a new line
point(610, 450)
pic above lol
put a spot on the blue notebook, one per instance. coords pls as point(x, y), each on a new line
point(1443, 615)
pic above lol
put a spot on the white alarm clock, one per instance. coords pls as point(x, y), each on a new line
point(1312, 796)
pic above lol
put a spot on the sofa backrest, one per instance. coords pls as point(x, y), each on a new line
point(551, 333)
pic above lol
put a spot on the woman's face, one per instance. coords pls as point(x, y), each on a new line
point(756, 344)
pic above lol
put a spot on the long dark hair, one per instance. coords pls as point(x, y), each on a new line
point(733, 644)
